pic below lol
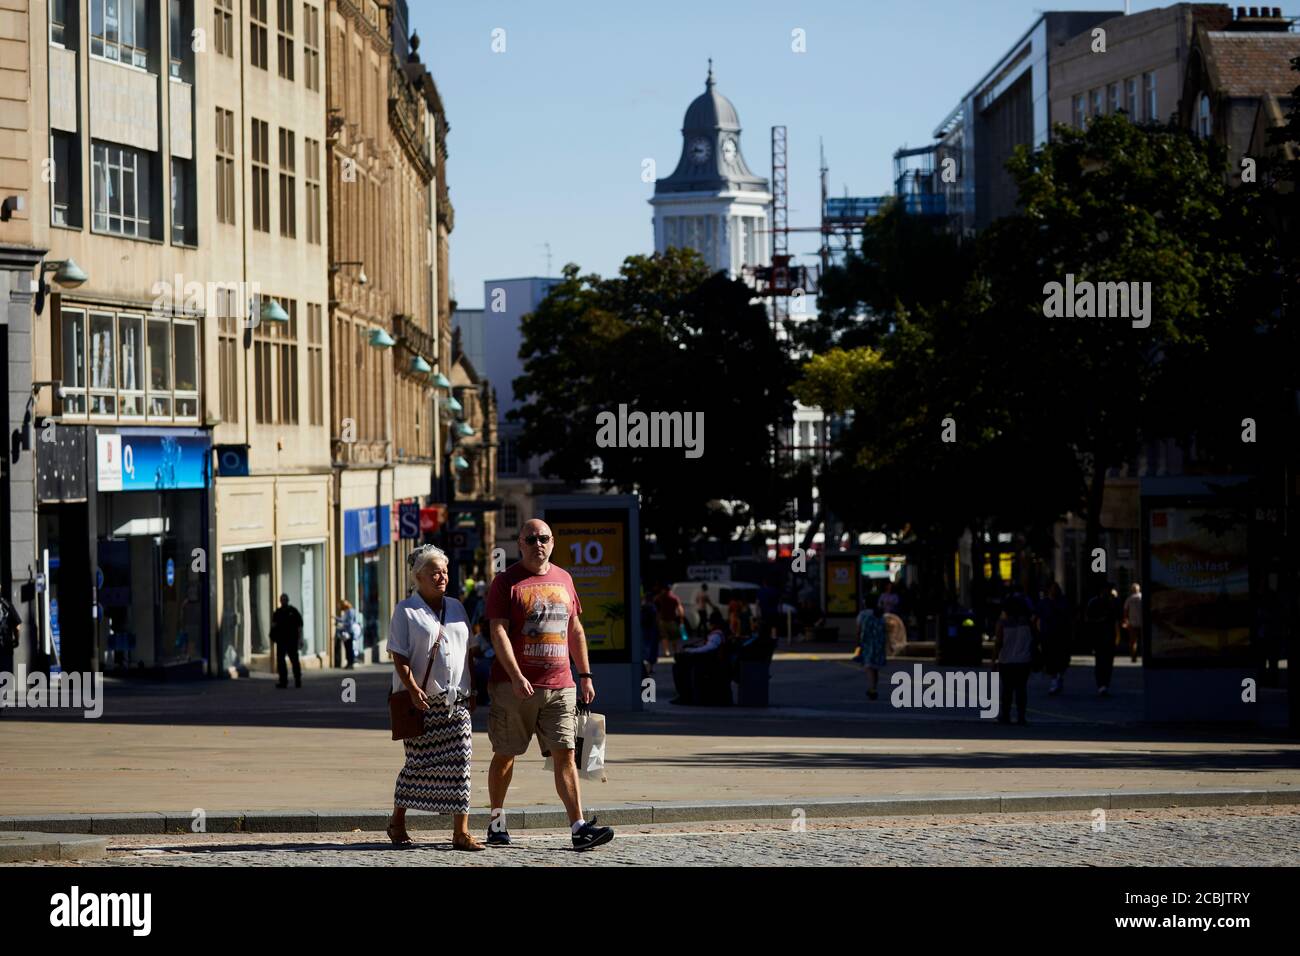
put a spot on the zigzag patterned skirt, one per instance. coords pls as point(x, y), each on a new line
point(436, 774)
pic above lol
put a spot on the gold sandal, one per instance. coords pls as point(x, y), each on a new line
point(400, 838)
point(464, 841)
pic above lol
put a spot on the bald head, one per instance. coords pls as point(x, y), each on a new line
point(535, 545)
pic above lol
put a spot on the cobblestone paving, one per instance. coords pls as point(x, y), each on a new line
point(1268, 836)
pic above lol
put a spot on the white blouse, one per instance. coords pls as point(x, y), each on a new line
point(412, 633)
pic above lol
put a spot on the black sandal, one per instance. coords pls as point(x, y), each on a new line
point(400, 838)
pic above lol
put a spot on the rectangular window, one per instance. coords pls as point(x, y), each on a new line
point(223, 33)
point(65, 190)
point(261, 158)
point(186, 349)
point(160, 368)
point(1149, 97)
point(284, 37)
point(63, 23)
point(511, 517)
point(311, 161)
point(120, 190)
point(276, 368)
point(288, 185)
point(1096, 102)
point(257, 33)
point(507, 460)
point(131, 366)
point(316, 364)
point(178, 39)
point(287, 373)
point(1131, 98)
point(119, 30)
point(1114, 98)
point(311, 46)
point(185, 230)
point(72, 344)
point(225, 166)
point(228, 352)
point(103, 362)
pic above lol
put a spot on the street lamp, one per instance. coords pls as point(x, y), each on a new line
point(418, 364)
point(464, 429)
point(442, 381)
point(361, 274)
point(452, 405)
point(380, 339)
point(67, 274)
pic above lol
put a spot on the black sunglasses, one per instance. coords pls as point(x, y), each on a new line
point(535, 538)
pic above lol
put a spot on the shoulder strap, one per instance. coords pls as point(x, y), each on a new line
point(442, 617)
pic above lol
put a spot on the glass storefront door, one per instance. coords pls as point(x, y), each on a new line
point(302, 577)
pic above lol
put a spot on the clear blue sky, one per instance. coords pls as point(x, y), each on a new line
point(547, 138)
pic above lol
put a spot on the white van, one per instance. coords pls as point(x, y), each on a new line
point(720, 593)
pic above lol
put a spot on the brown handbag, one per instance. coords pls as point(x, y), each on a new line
point(406, 719)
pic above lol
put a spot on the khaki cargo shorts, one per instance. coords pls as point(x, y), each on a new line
point(551, 714)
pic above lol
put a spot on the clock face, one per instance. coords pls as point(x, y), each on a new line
point(729, 150)
point(699, 150)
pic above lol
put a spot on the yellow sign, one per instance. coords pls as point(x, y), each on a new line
point(592, 553)
point(842, 585)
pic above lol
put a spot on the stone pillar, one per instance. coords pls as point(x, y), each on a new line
point(18, 474)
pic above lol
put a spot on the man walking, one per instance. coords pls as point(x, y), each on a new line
point(534, 613)
point(286, 624)
point(671, 615)
point(1101, 618)
point(1133, 620)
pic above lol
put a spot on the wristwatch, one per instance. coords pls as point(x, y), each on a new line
point(588, 676)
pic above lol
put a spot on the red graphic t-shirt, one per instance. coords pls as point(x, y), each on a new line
point(539, 607)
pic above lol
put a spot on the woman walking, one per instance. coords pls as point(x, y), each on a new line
point(871, 638)
point(431, 625)
point(347, 628)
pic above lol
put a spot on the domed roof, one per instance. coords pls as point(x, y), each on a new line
point(711, 110)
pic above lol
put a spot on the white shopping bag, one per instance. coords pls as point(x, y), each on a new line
point(589, 747)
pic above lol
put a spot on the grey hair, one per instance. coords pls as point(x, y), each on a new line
point(417, 559)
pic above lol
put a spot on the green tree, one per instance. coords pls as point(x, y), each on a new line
point(662, 335)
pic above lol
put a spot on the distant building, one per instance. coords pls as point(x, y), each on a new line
point(711, 202)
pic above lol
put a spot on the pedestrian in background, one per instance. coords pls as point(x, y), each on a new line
point(1101, 619)
point(1013, 649)
point(703, 606)
point(1052, 617)
point(871, 640)
point(347, 629)
point(649, 635)
point(286, 632)
point(670, 617)
point(1132, 623)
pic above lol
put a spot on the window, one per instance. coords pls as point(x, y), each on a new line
point(223, 39)
point(311, 47)
point(275, 362)
point(507, 457)
point(180, 33)
point(228, 353)
point(1149, 96)
point(284, 37)
point(103, 358)
point(186, 347)
point(1080, 112)
point(185, 230)
point(63, 23)
point(131, 366)
point(315, 365)
point(225, 166)
point(1131, 98)
point(257, 33)
point(120, 179)
point(1096, 102)
point(1114, 99)
point(65, 190)
point(1204, 123)
point(288, 186)
point(119, 30)
point(261, 176)
point(160, 368)
point(511, 517)
point(73, 348)
point(311, 160)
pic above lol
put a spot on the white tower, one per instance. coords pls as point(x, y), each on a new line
point(712, 202)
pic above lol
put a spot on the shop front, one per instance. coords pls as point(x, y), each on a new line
point(367, 568)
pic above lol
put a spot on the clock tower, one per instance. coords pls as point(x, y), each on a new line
point(712, 202)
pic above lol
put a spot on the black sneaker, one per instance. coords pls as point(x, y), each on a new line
point(497, 837)
point(591, 836)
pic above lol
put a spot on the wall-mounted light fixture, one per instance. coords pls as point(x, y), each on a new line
point(67, 274)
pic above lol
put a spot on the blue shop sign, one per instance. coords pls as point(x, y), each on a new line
point(154, 459)
point(365, 529)
point(408, 519)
